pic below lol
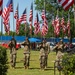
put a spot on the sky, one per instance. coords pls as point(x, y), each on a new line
point(22, 5)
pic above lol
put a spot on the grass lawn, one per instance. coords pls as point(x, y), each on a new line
point(34, 68)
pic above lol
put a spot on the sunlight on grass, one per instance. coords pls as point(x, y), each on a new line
point(34, 68)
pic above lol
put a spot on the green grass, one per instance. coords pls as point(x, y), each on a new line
point(34, 68)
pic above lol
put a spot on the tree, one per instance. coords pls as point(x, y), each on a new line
point(3, 61)
point(11, 33)
point(24, 30)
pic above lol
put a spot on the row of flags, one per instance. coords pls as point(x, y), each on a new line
point(44, 30)
point(23, 18)
point(61, 25)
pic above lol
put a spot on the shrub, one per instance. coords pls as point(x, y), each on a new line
point(3, 61)
point(68, 63)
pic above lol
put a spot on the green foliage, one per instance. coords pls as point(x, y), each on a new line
point(11, 33)
point(3, 61)
point(24, 29)
point(68, 63)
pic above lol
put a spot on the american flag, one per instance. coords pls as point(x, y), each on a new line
point(31, 13)
point(57, 26)
point(6, 12)
point(23, 17)
point(16, 16)
point(43, 14)
point(1, 6)
point(44, 29)
point(36, 25)
point(66, 3)
point(53, 22)
point(7, 9)
point(7, 28)
point(68, 27)
point(63, 25)
point(31, 18)
point(54, 25)
point(17, 26)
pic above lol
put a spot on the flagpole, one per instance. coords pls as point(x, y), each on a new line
point(13, 17)
point(1, 25)
point(1, 28)
point(74, 13)
point(26, 22)
point(62, 28)
point(44, 10)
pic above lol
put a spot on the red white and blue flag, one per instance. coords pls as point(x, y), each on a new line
point(36, 25)
point(16, 16)
point(54, 25)
point(31, 18)
point(23, 17)
point(63, 26)
point(6, 12)
point(8, 8)
point(57, 26)
point(31, 13)
point(44, 29)
point(1, 6)
point(66, 3)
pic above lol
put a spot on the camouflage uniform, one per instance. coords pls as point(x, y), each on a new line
point(47, 50)
point(59, 49)
point(12, 46)
point(26, 45)
point(44, 54)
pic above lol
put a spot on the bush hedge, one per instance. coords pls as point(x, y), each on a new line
point(68, 63)
point(3, 61)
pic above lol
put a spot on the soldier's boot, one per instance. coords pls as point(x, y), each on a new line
point(11, 63)
point(25, 67)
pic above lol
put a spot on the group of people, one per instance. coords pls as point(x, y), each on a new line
point(44, 51)
point(13, 52)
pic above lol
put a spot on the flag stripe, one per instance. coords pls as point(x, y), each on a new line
point(1, 6)
point(66, 3)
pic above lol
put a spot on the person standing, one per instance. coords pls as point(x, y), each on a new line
point(26, 45)
point(47, 51)
point(59, 50)
point(13, 52)
point(44, 51)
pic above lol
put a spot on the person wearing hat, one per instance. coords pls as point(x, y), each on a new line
point(26, 45)
point(13, 52)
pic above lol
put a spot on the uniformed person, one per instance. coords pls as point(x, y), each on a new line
point(59, 49)
point(26, 45)
point(44, 51)
point(47, 50)
point(13, 52)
